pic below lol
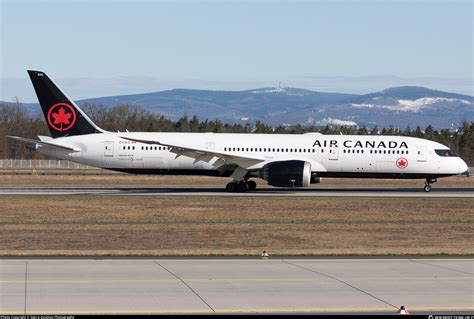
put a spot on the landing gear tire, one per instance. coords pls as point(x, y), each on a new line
point(428, 183)
point(251, 185)
point(242, 187)
point(231, 187)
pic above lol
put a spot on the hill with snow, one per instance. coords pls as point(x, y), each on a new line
point(399, 106)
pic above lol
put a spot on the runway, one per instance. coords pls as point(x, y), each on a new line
point(219, 192)
point(158, 286)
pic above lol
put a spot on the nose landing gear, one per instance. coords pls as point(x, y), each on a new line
point(428, 183)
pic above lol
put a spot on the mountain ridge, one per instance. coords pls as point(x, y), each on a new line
point(397, 106)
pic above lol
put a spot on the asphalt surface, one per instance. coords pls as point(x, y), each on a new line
point(158, 286)
point(306, 192)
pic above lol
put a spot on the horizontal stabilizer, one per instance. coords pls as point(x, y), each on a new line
point(45, 144)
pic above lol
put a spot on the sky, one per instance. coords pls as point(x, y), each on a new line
point(103, 47)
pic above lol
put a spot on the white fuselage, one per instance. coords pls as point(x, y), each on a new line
point(329, 155)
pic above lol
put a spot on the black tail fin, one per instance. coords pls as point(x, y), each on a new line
point(63, 116)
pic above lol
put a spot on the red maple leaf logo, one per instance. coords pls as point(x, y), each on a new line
point(61, 117)
point(402, 163)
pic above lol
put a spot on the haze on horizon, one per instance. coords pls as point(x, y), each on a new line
point(103, 48)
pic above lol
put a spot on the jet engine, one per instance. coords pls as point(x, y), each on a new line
point(288, 173)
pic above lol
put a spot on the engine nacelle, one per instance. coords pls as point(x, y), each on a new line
point(288, 173)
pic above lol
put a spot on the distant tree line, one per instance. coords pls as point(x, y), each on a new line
point(15, 120)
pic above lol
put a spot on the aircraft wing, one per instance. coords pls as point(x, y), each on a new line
point(206, 155)
point(44, 143)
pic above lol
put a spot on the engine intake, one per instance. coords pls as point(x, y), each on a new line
point(288, 173)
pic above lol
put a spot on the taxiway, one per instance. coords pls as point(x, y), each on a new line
point(157, 285)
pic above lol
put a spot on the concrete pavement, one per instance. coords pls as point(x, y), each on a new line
point(126, 286)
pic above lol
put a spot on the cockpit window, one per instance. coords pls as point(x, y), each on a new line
point(447, 153)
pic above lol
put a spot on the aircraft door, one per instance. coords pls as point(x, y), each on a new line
point(421, 153)
point(333, 153)
point(109, 149)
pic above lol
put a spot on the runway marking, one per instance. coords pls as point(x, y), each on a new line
point(210, 280)
point(249, 310)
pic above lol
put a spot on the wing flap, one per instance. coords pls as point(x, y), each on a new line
point(205, 155)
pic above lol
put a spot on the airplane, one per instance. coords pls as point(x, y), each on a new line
point(282, 160)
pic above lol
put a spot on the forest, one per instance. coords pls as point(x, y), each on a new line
point(18, 121)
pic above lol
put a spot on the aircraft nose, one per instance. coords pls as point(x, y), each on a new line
point(463, 168)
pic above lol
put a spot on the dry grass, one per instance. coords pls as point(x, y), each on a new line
point(106, 225)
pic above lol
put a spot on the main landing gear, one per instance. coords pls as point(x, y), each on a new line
point(428, 183)
point(241, 186)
